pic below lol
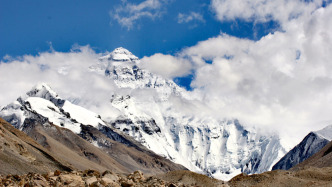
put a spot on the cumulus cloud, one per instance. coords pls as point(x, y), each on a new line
point(281, 81)
point(127, 14)
point(166, 65)
point(263, 10)
point(192, 16)
point(67, 73)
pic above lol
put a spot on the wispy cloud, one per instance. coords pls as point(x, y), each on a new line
point(128, 14)
point(67, 73)
point(192, 16)
point(166, 65)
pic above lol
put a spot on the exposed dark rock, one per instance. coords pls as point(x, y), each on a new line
point(310, 145)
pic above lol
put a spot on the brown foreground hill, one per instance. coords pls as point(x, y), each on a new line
point(20, 154)
point(82, 154)
point(45, 147)
point(306, 177)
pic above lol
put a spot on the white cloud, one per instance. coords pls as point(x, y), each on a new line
point(192, 16)
point(282, 81)
point(262, 10)
point(166, 65)
point(128, 14)
point(67, 73)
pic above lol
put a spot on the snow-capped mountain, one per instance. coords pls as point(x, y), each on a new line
point(221, 148)
point(158, 113)
point(38, 112)
point(310, 145)
point(44, 101)
point(124, 68)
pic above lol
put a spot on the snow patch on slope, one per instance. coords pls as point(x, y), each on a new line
point(82, 115)
point(44, 101)
point(52, 112)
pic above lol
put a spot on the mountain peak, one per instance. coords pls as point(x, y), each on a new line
point(121, 50)
point(42, 89)
point(121, 54)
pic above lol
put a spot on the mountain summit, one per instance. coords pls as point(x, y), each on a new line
point(121, 55)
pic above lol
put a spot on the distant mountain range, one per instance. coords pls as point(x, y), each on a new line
point(151, 124)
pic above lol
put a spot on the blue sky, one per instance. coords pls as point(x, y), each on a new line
point(33, 27)
point(30, 27)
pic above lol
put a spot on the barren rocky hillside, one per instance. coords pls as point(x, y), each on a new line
point(43, 147)
point(20, 154)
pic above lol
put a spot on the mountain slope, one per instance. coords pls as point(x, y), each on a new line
point(79, 136)
point(310, 145)
point(70, 147)
point(322, 158)
point(20, 154)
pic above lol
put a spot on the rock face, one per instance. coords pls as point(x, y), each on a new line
point(157, 113)
point(310, 145)
point(321, 159)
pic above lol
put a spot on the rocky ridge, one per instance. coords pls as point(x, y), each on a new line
point(321, 159)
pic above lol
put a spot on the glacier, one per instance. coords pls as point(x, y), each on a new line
point(151, 110)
